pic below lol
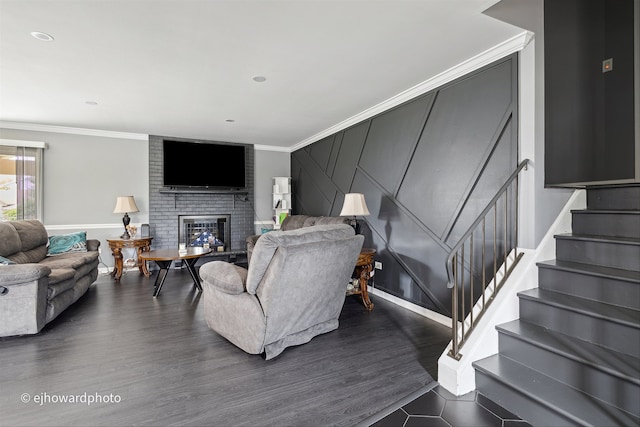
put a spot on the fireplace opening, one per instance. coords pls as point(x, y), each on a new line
point(200, 230)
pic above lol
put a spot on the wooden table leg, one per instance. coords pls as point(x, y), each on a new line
point(142, 265)
point(117, 267)
point(365, 274)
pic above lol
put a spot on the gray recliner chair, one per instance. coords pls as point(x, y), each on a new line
point(293, 290)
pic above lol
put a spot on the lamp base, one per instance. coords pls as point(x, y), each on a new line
point(126, 220)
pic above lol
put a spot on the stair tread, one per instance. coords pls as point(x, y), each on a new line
point(566, 400)
point(606, 211)
point(603, 239)
point(615, 313)
point(618, 364)
point(591, 269)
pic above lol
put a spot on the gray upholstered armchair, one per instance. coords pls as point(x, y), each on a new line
point(293, 290)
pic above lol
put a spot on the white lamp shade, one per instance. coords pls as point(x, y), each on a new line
point(354, 205)
point(125, 204)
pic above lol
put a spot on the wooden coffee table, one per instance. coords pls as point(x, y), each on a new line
point(164, 257)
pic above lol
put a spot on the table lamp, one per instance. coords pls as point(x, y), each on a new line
point(125, 204)
point(354, 205)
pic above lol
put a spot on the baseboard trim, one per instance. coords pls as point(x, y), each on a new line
point(430, 314)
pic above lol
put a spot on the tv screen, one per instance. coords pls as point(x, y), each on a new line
point(206, 165)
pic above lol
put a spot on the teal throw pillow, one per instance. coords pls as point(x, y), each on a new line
point(5, 261)
point(64, 243)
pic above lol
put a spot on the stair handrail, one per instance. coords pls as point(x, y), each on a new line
point(459, 338)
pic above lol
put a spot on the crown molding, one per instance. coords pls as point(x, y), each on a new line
point(507, 47)
point(71, 130)
point(271, 148)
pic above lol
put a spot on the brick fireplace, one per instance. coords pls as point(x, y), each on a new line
point(167, 209)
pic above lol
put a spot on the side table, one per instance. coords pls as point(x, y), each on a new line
point(142, 244)
point(364, 267)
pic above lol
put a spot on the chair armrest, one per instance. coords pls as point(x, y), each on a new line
point(225, 277)
point(93, 244)
point(20, 273)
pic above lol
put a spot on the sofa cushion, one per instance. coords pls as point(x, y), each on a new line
point(65, 243)
point(60, 280)
point(70, 260)
point(32, 256)
point(32, 234)
point(9, 239)
point(325, 220)
point(293, 222)
point(268, 243)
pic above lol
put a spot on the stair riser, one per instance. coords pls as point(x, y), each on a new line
point(606, 254)
point(606, 224)
point(612, 389)
point(614, 198)
point(606, 289)
point(518, 403)
point(616, 336)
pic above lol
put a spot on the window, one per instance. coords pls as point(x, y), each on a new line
point(20, 180)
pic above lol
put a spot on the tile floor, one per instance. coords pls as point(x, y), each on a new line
point(438, 407)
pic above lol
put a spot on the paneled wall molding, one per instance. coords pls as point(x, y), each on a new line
point(501, 50)
point(392, 199)
point(427, 168)
point(482, 166)
point(73, 130)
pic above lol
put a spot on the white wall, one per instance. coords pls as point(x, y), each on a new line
point(83, 176)
point(267, 165)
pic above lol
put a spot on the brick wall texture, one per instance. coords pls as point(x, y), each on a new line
point(164, 208)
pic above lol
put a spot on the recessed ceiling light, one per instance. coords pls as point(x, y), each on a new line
point(229, 120)
point(259, 79)
point(91, 102)
point(42, 36)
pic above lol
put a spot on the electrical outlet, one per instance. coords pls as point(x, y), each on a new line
point(378, 265)
point(100, 250)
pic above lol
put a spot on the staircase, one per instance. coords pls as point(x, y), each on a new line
point(573, 357)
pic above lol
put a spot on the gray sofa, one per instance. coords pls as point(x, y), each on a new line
point(37, 288)
point(293, 290)
point(294, 222)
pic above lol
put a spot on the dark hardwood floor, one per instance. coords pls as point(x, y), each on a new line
point(168, 368)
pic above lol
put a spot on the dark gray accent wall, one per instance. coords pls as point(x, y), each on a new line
point(426, 168)
point(589, 115)
point(164, 208)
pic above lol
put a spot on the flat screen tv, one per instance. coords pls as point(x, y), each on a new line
point(203, 165)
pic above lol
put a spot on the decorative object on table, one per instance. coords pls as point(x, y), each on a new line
point(133, 230)
point(354, 205)
point(125, 204)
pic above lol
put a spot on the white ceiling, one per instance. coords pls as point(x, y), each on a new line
point(183, 67)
